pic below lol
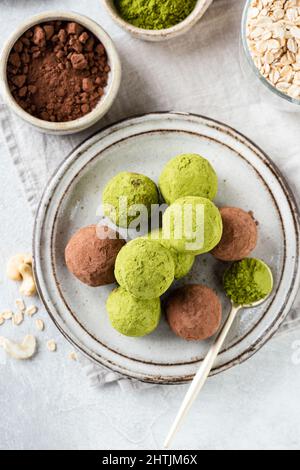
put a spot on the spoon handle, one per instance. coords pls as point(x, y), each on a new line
point(201, 376)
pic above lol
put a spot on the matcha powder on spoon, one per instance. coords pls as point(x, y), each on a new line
point(154, 14)
point(248, 281)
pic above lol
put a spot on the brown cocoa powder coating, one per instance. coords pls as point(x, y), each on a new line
point(91, 254)
point(58, 71)
point(194, 312)
point(239, 237)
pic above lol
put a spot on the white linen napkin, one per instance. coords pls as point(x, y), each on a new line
point(199, 72)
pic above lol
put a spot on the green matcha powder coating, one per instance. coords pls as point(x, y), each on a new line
point(183, 261)
point(248, 281)
point(131, 316)
point(136, 188)
point(144, 268)
point(188, 175)
point(154, 14)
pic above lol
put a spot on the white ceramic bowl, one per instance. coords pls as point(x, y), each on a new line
point(162, 34)
point(111, 90)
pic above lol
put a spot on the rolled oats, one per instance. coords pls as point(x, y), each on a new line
point(294, 91)
point(32, 310)
point(283, 86)
point(295, 31)
point(18, 318)
point(292, 45)
point(72, 356)
point(7, 314)
point(40, 324)
point(273, 37)
point(20, 305)
point(51, 345)
point(292, 14)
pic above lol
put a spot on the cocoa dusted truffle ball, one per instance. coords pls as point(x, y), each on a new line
point(91, 254)
point(239, 235)
point(194, 312)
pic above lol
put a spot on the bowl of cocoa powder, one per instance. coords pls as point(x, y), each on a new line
point(60, 72)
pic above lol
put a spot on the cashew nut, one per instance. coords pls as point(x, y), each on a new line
point(19, 268)
point(14, 263)
point(28, 287)
point(22, 351)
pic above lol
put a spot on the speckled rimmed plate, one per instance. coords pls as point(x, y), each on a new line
point(248, 179)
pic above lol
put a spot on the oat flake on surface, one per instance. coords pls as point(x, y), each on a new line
point(72, 356)
point(51, 345)
point(18, 318)
point(40, 324)
point(32, 310)
point(6, 315)
point(20, 305)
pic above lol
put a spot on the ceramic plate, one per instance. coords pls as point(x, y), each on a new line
point(248, 179)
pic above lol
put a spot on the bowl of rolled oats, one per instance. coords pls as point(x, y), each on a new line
point(271, 41)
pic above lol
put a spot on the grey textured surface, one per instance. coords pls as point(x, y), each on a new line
point(47, 403)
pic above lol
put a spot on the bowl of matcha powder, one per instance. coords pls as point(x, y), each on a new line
point(156, 20)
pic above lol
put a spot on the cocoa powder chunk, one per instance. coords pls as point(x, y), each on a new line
point(23, 91)
point(32, 89)
point(74, 28)
point(49, 31)
point(25, 58)
point(36, 54)
point(100, 49)
point(79, 62)
point(39, 36)
point(75, 44)
point(18, 47)
point(87, 84)
point(25, 41)
point(60, 54)
point(14, 59)
point(83, 37)
point(62, 35)
point(57, 71)
point(19, 80)
point(84, 97)
point(89, 44)
point(85, 108)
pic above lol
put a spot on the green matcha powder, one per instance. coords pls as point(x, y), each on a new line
point(248, 281)
point(154, 14)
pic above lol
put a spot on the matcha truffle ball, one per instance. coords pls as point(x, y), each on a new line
point(183, 261)
point(145, 268)
point(188, 175)
point(123, 192)
point(194, 312)
point(131, 316)
point(239, 235)
point(91, 254)
point(193, 225)
point(248, 281)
